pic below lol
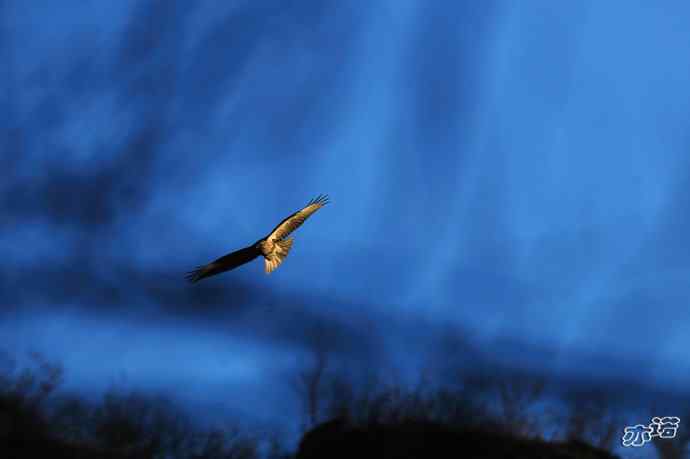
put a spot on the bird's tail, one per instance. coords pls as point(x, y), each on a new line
point(282, 249)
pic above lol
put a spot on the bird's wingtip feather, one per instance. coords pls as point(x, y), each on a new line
point(321, 199)
point(195, 275)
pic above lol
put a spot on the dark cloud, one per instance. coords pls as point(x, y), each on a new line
point(243, 309)
point(63, 195)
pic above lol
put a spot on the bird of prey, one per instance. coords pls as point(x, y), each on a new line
point(274, 247)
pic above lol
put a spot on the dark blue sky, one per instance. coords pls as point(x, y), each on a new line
point(512, 176)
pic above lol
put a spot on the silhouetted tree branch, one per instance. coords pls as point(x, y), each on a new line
point(123, 425)
point(309, 384)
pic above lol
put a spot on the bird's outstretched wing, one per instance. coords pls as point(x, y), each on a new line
point(294, 221)
point(224, 263)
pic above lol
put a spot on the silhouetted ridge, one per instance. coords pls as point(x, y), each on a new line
point(337, 439)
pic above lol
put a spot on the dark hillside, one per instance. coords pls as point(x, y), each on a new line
point(427, 440)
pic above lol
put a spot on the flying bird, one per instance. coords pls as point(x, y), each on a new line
point(274, 247)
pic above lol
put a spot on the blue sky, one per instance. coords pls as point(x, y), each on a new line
point(506, 172)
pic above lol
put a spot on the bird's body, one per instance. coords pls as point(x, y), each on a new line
point(274, 248)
